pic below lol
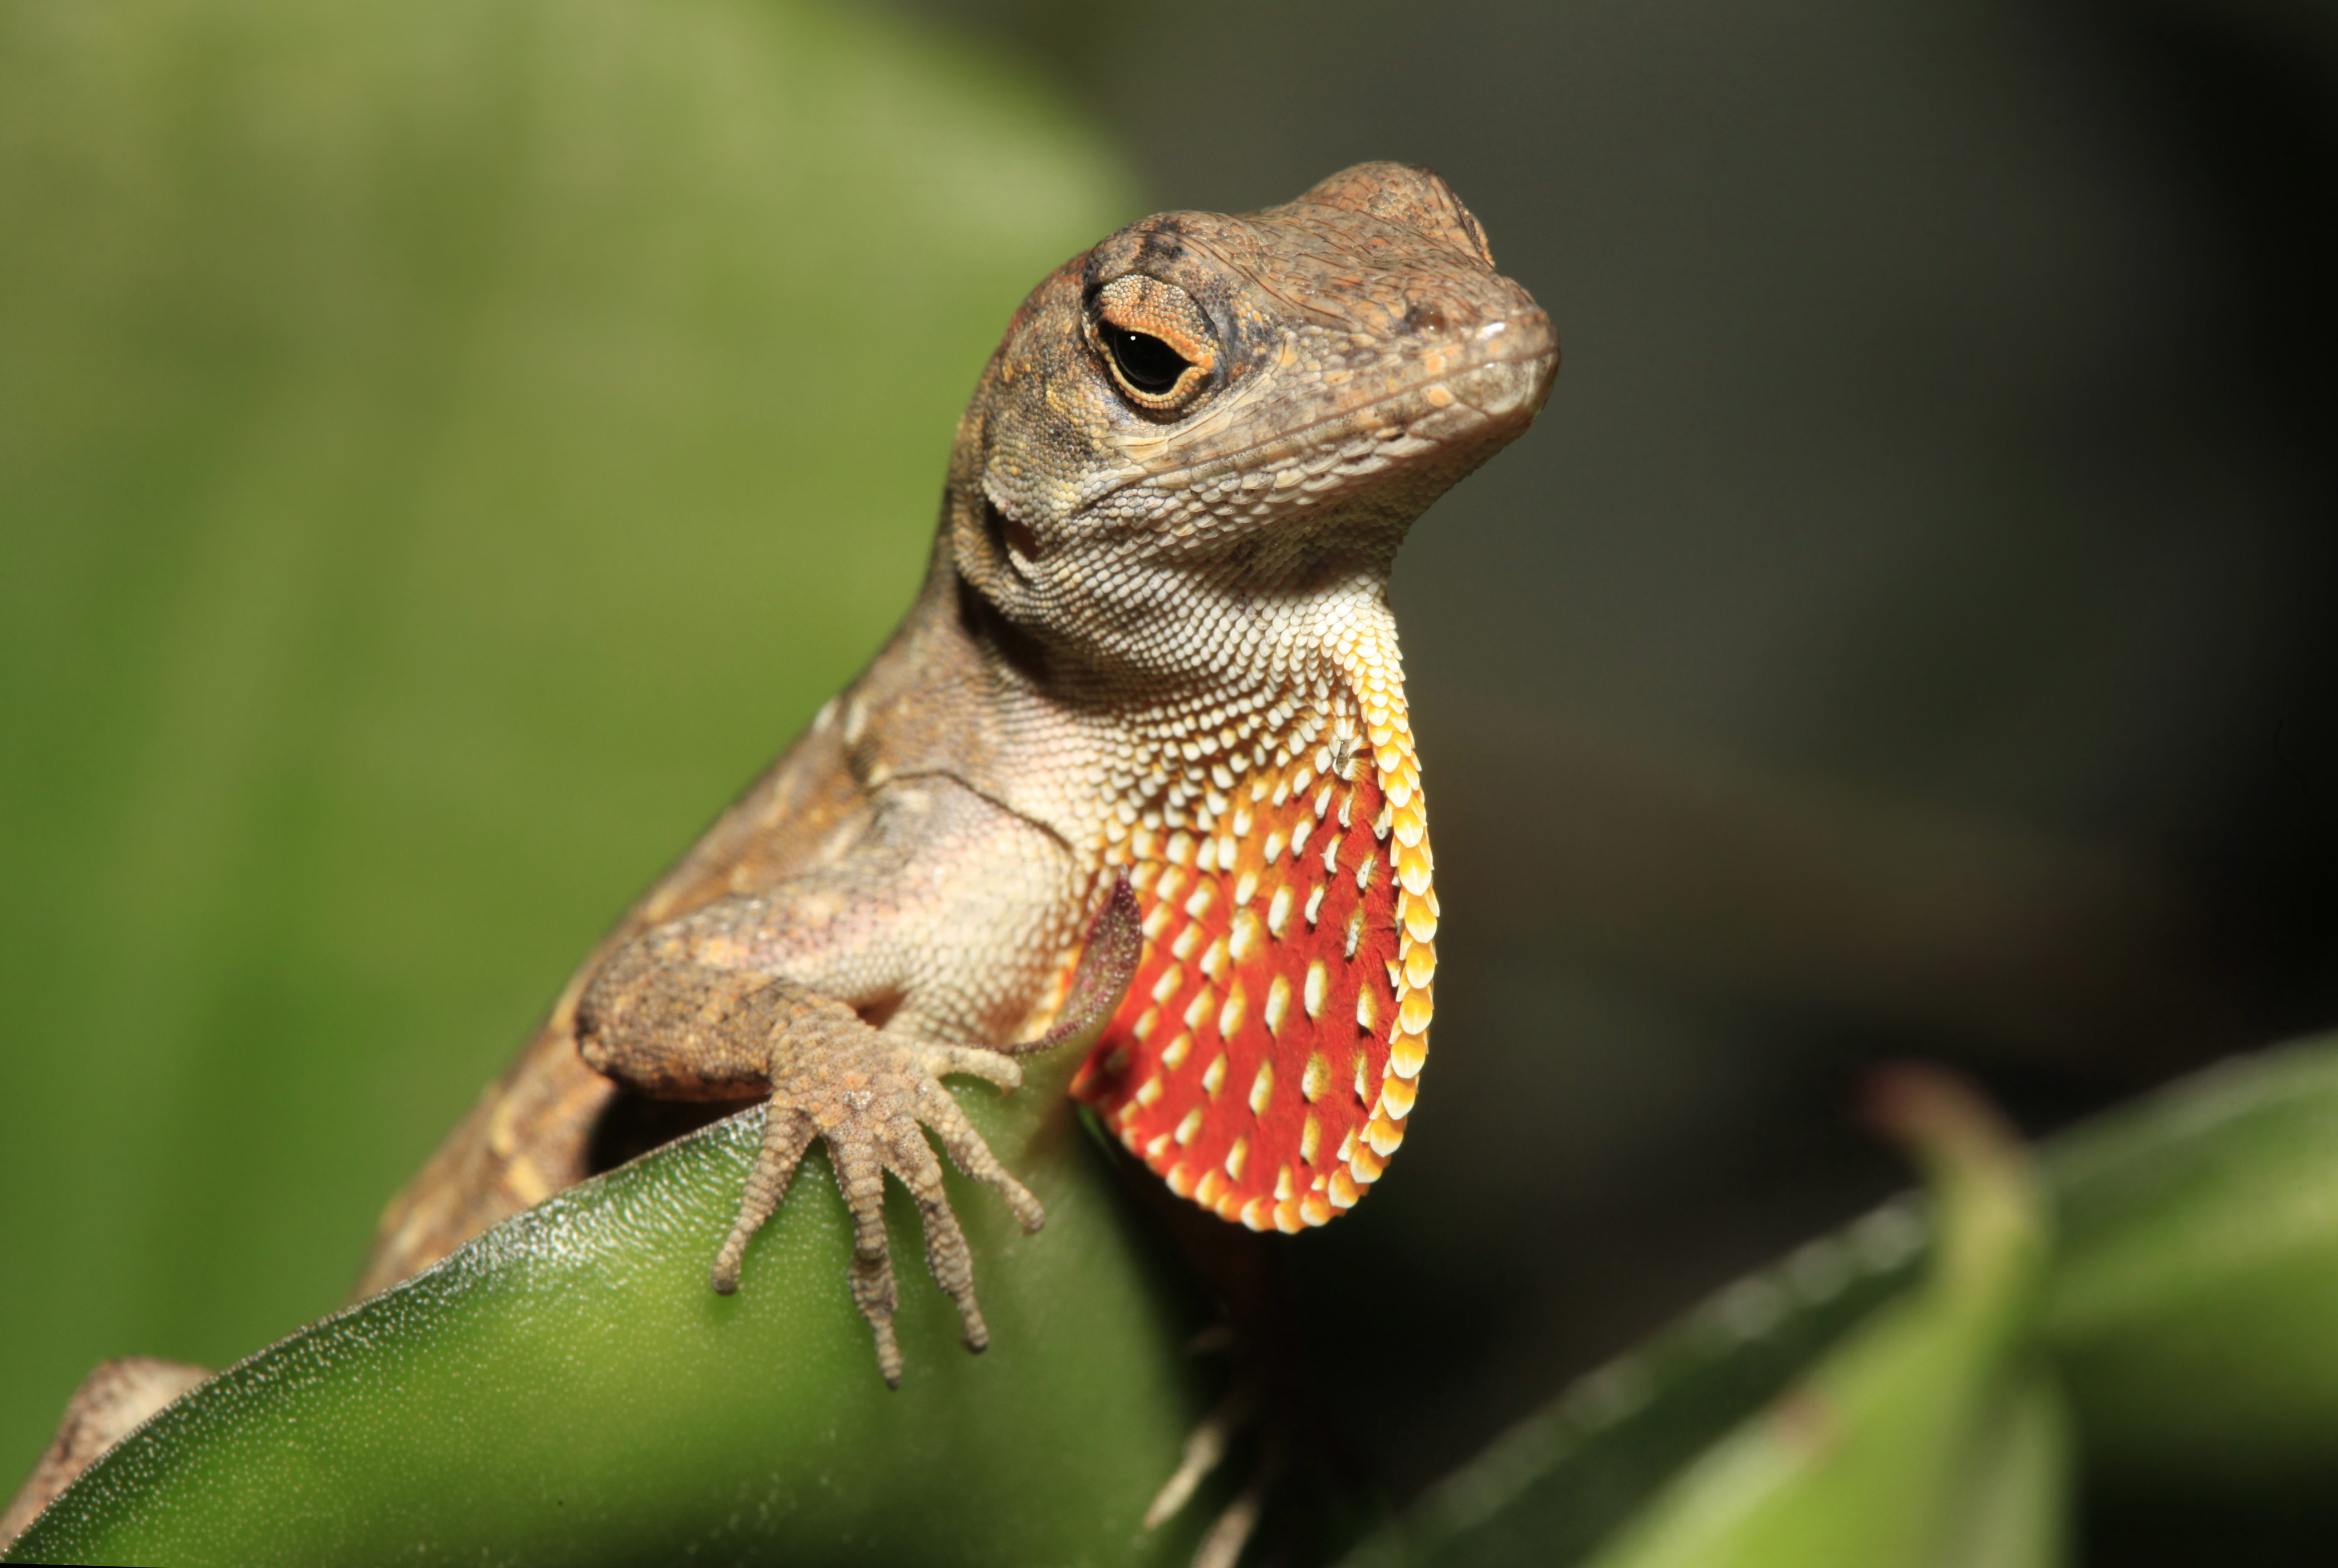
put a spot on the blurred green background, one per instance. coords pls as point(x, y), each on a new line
point(445, 450)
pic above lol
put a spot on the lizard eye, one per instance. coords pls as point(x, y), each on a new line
point(1143, 361)
point(1157, 343)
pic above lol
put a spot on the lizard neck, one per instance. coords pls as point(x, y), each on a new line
point(1094, 747)
point(1187, 761)
point(1267, 679)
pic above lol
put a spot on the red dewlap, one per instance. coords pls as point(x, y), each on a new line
point(1247, 1063)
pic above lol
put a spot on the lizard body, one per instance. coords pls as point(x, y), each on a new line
point(1153, 649)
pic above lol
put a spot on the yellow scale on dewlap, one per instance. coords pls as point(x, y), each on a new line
point(1265, 1059)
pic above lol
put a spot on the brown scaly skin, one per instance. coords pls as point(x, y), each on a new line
point(1121, 566)
point(1158, 588)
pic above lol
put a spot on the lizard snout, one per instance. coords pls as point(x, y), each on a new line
point(1521, 352)
point(1502, 365)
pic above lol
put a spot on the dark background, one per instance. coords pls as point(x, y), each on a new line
point(444, 451)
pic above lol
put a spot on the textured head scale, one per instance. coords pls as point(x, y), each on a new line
point(1320, 372)
point(1182, 484)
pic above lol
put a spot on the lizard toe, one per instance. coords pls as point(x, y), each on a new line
point(947, 1257)
point(860, 1173)
point(966, 1148)
point(787, 1134)
point(994, 1066)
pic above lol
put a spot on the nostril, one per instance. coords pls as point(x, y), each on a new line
point(1426, 315)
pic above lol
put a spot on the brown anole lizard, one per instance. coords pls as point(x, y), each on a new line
point(1153, 641)
point(1153, 650)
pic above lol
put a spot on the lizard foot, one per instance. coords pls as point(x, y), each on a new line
point(871, 1110)
point(871, 1098)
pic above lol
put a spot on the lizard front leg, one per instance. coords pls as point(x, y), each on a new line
point(662, 1018)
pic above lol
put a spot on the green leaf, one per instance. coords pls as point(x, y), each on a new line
point(1554, 1487)
point(1875, 1456)
point(2013, 1500)
point(1827, 1409)
point(2194, 1310)
point(568, 1389)
point(2180, 1343)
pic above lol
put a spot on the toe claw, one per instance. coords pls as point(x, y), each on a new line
point(1027, 1209)
point(888, 1353)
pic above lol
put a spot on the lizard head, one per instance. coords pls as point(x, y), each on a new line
point(1213, 431)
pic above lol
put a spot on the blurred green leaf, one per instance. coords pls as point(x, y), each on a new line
point(1823, 1409)
point(1564, 1480)
point(446, 449)
point(2013, 1496)
point(1874, 1457)
point(568, 1390)
point(2179, 1349)
point(2192, 1310)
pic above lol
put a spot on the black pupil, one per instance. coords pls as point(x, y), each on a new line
point(1150, 365)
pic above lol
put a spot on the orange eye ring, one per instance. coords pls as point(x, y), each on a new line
point(1155, 341)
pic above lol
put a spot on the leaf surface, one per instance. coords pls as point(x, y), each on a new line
point(568, 1389)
